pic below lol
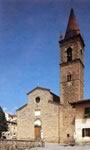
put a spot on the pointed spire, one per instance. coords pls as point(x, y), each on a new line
point(72, 27)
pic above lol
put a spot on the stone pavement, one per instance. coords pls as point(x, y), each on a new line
point(61, 147)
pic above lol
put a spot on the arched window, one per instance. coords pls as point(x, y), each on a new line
point(69, 77)
point(69, 54)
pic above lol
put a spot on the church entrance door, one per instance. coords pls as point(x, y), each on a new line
point(37, 132)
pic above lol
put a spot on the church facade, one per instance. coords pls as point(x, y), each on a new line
point(48, 116)
point(39, 118)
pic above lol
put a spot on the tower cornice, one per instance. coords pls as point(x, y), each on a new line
point(72, 38)
point(73, 61)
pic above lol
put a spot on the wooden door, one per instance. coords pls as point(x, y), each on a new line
point(37, 132)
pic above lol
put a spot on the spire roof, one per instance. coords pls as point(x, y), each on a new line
point(72, 27)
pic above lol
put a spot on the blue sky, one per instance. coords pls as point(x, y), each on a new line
point(29, 49)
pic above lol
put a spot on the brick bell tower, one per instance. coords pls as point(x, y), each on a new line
point(72, 77)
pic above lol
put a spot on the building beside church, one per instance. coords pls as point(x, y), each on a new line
point(60, 119)
point(82, 121)
point(11, 133)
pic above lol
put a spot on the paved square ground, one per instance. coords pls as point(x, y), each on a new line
point(60, 147)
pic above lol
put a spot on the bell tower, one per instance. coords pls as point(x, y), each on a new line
point(72, 76)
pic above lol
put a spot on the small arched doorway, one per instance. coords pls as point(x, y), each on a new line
point(37, 129)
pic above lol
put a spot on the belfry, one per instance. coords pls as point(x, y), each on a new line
point(71, 71)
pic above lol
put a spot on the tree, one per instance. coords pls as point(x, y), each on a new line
point(3, 122)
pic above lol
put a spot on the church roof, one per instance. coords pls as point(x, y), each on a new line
point(40, 88)
point(85, 101)
point(72, 27)
point(21, 107)
point(55, 97)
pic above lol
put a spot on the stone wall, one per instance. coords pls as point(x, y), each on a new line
point(70, 89)
point(19, 144)
point(48, 116)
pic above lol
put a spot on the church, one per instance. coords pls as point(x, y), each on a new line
point(64, 119)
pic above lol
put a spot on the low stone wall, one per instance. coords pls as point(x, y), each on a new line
point(19, 144)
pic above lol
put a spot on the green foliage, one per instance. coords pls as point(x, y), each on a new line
point(3, 122)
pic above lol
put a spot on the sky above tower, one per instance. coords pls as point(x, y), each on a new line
point(29, 48)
